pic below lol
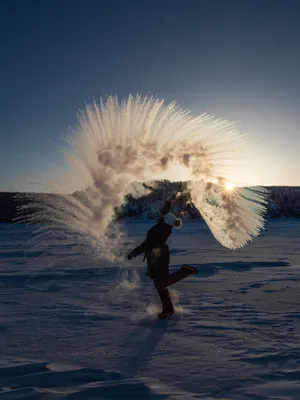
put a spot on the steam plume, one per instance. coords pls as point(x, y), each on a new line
point(117, 143)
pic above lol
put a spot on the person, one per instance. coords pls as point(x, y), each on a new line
point(156, 250)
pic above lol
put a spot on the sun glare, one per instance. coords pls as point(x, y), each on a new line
point(229, 186)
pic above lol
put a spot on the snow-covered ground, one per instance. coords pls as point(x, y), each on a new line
point(80, 331)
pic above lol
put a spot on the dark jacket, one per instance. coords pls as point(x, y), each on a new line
point(157, 236)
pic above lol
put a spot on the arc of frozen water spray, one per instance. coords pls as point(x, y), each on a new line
point(117, 143)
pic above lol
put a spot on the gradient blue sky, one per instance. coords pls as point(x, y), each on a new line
point(237, 59)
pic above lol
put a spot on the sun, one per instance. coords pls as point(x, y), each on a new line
point(229, 186)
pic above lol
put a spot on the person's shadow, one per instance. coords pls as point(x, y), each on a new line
point(139, 352)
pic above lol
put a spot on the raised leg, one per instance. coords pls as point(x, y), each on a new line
point(176, 276)
point(182, 273)
point(161, 285)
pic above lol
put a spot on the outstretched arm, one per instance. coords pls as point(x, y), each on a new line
point(168, 203)
point(150, 239)
point(166, 208)
point(137, 251)
point(146, 246)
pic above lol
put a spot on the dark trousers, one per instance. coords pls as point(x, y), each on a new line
point(158, 270)
point(161, 285)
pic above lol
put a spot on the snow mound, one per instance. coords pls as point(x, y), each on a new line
point(42, 380)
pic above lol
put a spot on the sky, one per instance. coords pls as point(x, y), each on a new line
point(236, 59)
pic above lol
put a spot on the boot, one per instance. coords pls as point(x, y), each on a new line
point(191, 270)
point(165, 314)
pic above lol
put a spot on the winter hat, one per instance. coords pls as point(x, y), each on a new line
point(171, 220)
